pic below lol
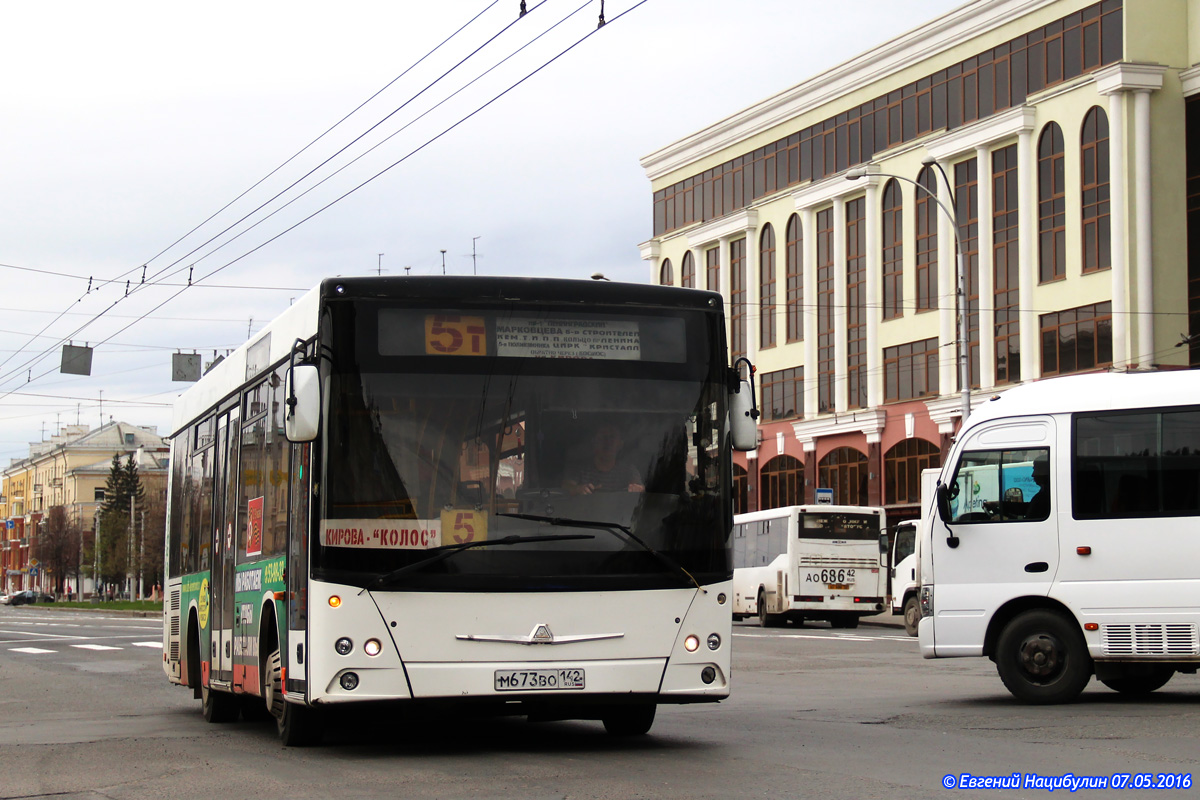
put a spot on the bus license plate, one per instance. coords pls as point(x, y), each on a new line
point(516, 680)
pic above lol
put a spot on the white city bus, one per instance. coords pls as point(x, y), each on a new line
point(814, 562)
point(1063, 540)
point(372, 501)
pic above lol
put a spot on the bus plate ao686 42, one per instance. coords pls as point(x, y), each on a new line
point(515, 680)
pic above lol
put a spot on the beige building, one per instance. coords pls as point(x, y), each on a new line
point(69, 470)
point(1045, 143)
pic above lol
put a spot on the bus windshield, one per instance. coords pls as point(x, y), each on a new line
point(502, 428)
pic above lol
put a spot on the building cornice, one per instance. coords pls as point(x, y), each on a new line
point(870, 423)
point(1190, 78)
point(995, 128)
point(727, 226)
point(943, 33)
point(1128, 77)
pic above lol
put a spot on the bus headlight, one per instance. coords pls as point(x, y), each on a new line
point(714, 641)
point(691, 643)
point(372, 647)
point(349, 681)
point(343, 646)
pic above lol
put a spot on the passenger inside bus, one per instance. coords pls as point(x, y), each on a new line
point(603, 468)
point(1039, 505)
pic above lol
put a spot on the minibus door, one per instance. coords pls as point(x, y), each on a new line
point(1000, 540)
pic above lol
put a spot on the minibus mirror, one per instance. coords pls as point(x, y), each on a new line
point(943, 502)
point(303, 393)
point(883, 542)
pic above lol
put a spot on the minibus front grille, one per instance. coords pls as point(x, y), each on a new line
point(1151, 639)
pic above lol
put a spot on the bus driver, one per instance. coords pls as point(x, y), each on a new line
point(603, 470)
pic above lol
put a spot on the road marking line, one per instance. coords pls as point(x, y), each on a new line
point(157, 645)
point(30, 650)
point(95, 647)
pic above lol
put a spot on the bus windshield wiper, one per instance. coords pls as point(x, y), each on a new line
point(613, 527)
point(448, 550)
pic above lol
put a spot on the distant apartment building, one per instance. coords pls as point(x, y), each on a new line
point(1052, 145)
point(70, 470)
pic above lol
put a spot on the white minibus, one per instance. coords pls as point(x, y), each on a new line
point(1063, 541)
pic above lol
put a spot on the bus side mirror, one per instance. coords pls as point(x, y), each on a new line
point(303, 397)
point(743, 417)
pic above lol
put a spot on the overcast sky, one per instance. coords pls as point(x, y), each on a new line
point(125, 126)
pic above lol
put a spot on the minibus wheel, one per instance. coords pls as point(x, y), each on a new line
point(1042, 658)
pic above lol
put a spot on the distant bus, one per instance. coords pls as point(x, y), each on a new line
point(814, 562)
point(372, 501)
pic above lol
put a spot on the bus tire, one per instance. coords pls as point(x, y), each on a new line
point(912, 615)
point(1042, 658)
point(766, 620)
point(298, 726)
point(1137, 685)
point(218, 707)
point(629, 720)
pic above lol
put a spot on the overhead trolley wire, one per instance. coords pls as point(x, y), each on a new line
point(351, 191)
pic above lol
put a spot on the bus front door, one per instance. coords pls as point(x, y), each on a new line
point(999, 543)
point(224, 547)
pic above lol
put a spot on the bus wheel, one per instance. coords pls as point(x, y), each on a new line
point(299, 726)
point(629, 720)
point(1042, 658)
point(912, 615)
point(766, 620)
point(218, 706)
point(1140, 684)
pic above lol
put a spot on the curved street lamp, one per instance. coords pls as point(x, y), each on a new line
point(964, 373)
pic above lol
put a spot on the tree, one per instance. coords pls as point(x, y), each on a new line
point(58, 546)
point(123, 497)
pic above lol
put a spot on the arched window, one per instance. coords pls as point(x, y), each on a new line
point(782, 480)
point(766, 287)
point(893, 251)
point(927, 240)
point(687, 274)
point(845, 471)
point(1097, 246)
point(665, 277)
point(902, 467)
point(741, 494)
point(795, 279)
point(1052, 201)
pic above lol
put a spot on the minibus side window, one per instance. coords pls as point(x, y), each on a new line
point(1001, 486)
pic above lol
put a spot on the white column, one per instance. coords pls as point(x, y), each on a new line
point(1031, 350)
point(841, 338)
point(987, 283)
point(753, 290)
point(808, 221)
point(725, 283)
point(874, 309)
point(946, 254)
point(1122, 351)
point(1145, 238)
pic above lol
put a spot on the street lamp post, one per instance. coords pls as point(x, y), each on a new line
point(964, 370)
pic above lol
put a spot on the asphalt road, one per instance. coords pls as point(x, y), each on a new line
point(85, 712)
